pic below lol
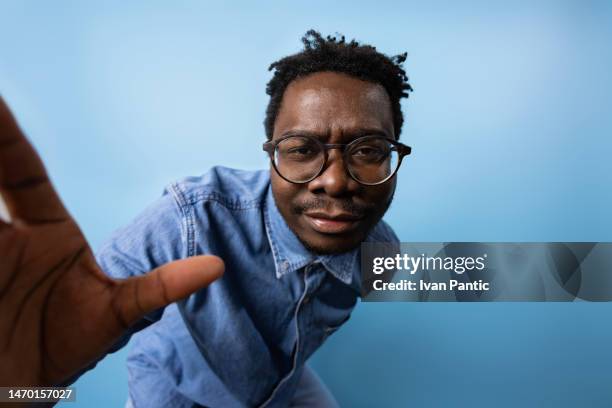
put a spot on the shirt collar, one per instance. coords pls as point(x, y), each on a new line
point(290, 254)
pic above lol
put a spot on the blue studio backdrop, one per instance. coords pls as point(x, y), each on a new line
point(510, 125)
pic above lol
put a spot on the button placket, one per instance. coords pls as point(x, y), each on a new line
point(298, 343)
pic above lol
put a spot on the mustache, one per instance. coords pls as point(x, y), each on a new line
point(347, 205)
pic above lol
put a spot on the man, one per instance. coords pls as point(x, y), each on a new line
point(288, 239)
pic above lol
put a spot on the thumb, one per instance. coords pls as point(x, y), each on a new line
point(173, 281)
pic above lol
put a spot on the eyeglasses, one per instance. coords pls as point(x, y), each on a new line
point(369, 160)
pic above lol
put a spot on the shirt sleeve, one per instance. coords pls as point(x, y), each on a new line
point(153, 238)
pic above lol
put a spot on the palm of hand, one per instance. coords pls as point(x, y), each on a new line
point(58, 310)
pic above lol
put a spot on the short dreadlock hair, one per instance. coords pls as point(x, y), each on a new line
point(362, 61)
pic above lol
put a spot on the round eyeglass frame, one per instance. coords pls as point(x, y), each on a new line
point(402, 150)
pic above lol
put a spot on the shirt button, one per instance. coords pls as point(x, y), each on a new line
point(285, 266)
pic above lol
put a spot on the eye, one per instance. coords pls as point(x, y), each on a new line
point(370, 153)
point(365, 151)
point(298, 149)
point(301, 151)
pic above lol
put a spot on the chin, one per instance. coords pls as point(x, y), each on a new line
point(331, 245)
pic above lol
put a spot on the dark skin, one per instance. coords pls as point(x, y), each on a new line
point(333, 213)
point(60, 312)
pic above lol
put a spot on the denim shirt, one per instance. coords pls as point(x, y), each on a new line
point(243, 340)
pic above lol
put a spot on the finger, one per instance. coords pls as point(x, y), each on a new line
point(171, 282)
point(24, 184)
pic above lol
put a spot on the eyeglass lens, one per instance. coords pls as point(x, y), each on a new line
point(370, 161)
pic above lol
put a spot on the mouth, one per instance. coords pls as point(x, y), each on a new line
point(332, 223)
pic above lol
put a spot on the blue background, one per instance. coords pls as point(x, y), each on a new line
point(510, 124)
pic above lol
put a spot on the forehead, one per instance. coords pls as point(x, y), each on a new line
point(329, 103)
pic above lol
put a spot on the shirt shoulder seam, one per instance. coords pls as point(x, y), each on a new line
point(192, 198)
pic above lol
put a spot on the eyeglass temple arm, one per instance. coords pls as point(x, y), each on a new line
point(404, 150)
point(268, 147)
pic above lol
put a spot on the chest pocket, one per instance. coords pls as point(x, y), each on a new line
point(334, 303)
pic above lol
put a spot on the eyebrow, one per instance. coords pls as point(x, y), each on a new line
point(350, 135)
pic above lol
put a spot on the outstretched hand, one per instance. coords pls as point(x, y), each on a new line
point(58, 311)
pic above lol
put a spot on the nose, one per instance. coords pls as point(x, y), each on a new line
point(334, 181)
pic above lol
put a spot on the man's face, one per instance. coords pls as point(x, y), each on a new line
point(332, 213)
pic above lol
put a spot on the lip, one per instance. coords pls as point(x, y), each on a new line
point(337, 223)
